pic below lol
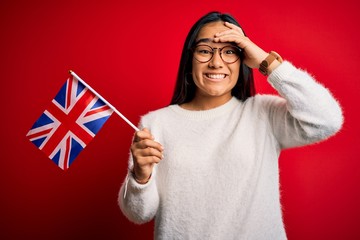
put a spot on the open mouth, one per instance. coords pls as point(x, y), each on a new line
point(217, 76)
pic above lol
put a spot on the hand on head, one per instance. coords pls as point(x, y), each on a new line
point(253, 54)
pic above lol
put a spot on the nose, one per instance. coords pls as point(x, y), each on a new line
point(216, 60)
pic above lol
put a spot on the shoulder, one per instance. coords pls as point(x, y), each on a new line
point(264, 104)
point(287, 75)
point(263, 100)
point(161, 113)
point(158, 112)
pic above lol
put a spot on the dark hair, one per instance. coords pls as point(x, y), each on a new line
point(185, 87)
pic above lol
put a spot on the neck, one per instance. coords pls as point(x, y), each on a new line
point(206, 102)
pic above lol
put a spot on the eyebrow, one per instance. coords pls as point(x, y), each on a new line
point(206, 40)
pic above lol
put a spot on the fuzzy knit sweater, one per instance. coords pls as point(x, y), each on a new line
point(219, 178)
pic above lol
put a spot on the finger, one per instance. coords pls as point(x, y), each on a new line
point(151, 152)
point(147, 143)
point(227, 32)
point(142, 161)
point(147, 156)
point(240, 41)
point(235, 27)
point(146, 130)
point(228, 38)
point(143, 134)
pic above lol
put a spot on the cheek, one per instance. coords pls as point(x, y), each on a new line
point(235, 71)
point(196, 71)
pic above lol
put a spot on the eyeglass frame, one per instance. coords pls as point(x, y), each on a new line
point(220, 53)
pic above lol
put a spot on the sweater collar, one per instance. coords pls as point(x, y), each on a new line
point(207, 114)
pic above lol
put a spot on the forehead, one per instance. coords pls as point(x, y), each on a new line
point(210, 29)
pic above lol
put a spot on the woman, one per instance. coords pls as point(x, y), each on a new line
point(212, 172)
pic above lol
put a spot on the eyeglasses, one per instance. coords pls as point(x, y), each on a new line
point(204, 53)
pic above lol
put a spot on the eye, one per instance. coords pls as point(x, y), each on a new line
point(230, 51)
point(203, 50)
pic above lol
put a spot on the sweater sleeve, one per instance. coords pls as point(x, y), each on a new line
point(138, 202)
point(308, 112)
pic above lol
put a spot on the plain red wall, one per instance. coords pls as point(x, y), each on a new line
point(129, 52)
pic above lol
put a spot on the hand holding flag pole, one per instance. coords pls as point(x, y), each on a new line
point(106, 102)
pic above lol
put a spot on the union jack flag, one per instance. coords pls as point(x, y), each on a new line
point(71, 121)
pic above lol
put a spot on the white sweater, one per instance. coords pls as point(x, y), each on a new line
point(219, 178)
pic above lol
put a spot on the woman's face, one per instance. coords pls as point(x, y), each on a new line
point(215, 78)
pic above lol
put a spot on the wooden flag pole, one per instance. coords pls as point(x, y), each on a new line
point(103, 99)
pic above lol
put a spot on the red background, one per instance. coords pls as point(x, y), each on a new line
point(129, 52)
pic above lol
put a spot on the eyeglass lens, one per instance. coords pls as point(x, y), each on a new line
point(204, 53)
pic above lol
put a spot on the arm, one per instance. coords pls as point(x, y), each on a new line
point(309, 112)
point(138, 197)
point(139, 202)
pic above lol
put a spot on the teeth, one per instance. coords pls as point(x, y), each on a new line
point(216, 76)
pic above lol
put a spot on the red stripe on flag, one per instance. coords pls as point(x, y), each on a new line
point(97, 110)
point(38, 134)
point(67, 153)
point(55, 139)
point(68, 122)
